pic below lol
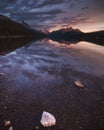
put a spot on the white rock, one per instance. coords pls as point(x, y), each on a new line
point(79, 84)
point(7, 123)
point(47, 119)
point(11, 128)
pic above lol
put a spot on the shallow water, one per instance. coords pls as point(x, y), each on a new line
point(83, 57)
point(40, 77)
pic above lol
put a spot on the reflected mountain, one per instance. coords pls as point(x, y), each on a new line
point(14, 35)
point(94, 37)
point(70, 35)
point(10, 44)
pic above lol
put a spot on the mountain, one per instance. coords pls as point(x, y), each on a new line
point(45, 32)
point(94, 37)
point(75, 35)
point(14, 35)
point(65, 34)
point(25, 24)
point(3, 17)
point(67, 31)
point(13, 29)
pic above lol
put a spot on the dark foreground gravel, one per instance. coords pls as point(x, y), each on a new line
point(41, 78)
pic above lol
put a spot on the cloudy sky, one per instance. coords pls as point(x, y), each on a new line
point(87, 15)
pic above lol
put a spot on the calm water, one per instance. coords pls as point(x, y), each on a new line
point(40, 76)
point(83, 56)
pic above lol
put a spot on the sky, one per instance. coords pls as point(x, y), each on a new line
point(87, 15)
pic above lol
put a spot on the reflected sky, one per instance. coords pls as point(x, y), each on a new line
point(54, 14)
point(53, 57)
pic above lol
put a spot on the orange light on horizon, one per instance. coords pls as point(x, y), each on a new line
point(84, 27)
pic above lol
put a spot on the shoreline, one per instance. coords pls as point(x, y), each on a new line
point(42, 78)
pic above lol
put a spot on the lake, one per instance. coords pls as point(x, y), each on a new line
point(40, 76)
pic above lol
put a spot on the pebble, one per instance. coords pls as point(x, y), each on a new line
point(37, 127)
point(79, 84)
point(47, 119)
point(11, 128)
point(7, 123)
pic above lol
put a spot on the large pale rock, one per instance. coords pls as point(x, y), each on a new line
point(47, 119)
point(7, 123)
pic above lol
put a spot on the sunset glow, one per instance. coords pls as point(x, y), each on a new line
point(87, 15)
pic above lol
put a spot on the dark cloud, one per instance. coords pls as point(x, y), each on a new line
point(51, 2)
point(8, 1)
point(73, 3)
point(97, 5)
point(86, 7)
point(40, 16)
point(55, 11)
point(75, 20)
point(50, 13)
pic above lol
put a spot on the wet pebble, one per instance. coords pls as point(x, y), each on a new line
point(47, 119)
point(37, 127)
point(7, 123)
point(79, 84)
point(11, 128)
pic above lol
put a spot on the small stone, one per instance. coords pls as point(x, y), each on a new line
point(47, 119)
point(5, 107)
point(7, 123)
point(37, 127)
point(11, 128)
point(79, 84)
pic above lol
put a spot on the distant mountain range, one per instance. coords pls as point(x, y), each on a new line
point(75, 35)
point(67, 30)
point(12, 29)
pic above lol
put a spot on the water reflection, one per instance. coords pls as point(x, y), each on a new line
point(70, 40)
point(82, 56)
point(42, 57)
point(83, 45)
point(89, 47)
point(10, 44)
point(36, 76)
